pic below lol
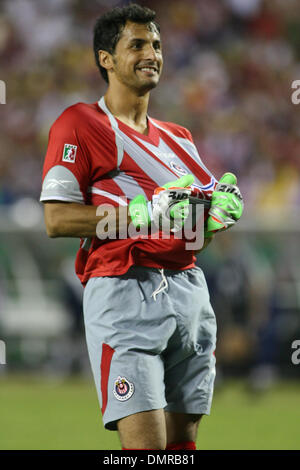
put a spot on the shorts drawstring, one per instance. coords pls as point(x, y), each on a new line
point(162, 286)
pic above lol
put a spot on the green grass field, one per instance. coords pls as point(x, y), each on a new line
point(40, 414)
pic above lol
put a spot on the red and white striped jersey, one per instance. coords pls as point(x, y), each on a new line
point(94, 158)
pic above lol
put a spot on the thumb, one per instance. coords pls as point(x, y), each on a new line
point(228, 178)
point(182, 182)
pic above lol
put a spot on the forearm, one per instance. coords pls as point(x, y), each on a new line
point(80, 221)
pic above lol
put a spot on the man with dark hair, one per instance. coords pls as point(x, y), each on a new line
point(109, 27)
point(150, 328)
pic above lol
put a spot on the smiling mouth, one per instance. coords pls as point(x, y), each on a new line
point(148, 69)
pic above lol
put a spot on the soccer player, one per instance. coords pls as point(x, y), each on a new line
point(150, 327)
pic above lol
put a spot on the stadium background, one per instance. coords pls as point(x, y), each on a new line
point(229, 66)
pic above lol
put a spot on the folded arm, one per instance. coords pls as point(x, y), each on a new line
point(78, 220)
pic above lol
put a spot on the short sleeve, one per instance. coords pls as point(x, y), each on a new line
point(66, 171)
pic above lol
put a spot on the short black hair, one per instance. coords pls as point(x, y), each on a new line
point(108, 28)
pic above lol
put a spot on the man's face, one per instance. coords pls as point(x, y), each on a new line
point(138, 57)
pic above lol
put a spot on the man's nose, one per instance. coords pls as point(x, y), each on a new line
point(150, 53)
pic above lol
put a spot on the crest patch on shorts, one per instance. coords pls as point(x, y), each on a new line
point(123, 389)
point(69, 154)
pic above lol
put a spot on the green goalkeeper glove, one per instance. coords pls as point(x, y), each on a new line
point(169, 206)
point(226, 206)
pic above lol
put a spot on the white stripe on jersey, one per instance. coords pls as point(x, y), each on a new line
point(128, 185)
point(114, 125)
point(159, 173)
point(119, 199)
point(187, 146)
point(153, 168)
point(167, 156)
point(148, 165)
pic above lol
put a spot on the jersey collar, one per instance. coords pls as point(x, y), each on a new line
point(153, 135)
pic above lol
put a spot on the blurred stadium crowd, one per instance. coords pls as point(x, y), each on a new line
point(228, 70)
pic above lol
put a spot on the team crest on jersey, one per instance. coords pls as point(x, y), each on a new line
point(69, 154)
point(123, 389)
point(178, 169)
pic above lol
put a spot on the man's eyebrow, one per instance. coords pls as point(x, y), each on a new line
point(137, 40)
point(142, 41)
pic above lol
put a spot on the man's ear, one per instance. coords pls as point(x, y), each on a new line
point(106, 60)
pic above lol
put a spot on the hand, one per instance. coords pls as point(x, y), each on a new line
point(226, 206)
point(170, 204)
point(169, 207)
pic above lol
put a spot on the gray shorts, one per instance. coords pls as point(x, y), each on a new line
point(150, 351)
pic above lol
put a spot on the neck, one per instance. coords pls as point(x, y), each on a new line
point(127, 106)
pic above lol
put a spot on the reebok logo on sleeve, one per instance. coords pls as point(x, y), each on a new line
point(69, 154)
